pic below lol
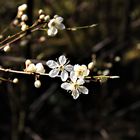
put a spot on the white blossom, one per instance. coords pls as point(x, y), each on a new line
point(61, 67)
point(31, 68)
point(75, 86)
point(54, 25)
point(40, 68)
point(81, 71)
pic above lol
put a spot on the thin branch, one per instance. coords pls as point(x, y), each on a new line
point(22, 72)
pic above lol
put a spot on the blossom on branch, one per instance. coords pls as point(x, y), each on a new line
point(75, 86)
point(61, 67)
point(54, 25)
point(81, 71)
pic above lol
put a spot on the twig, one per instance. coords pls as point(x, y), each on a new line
point(22, 72)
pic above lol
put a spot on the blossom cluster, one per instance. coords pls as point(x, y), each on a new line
point(73, 77)
point(53, 25)
point(32, 68)
point(21, 17)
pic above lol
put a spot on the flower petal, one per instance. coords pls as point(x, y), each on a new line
point(69, 68)
point(58, 19)
point(52, 64)
point(83, 89)
point(73, 77)
point(75, 94)
point(62, 59)
point(54, 73)
point(87, 72)
point(76, 67)
point(60, 26)
point(64, 75)
point(52, 31)
point(80, 81)
point(66, 86)
point(50, 24)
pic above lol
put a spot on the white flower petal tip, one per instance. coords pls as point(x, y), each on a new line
point(54, 73)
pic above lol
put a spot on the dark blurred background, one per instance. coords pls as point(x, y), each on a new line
point(111, 111)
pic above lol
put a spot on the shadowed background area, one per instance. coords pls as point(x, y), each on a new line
point(111, 110)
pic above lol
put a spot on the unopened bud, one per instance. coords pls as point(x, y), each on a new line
point(42, 16)
point(31, 68)
point(24, 27)
point(90, 65)
point(15, 22)
point(22, 7)
point(37, 83)
point(40, 68)
point(15, 80)
point(40, 12)
point(27, 62)
point(6, 48)
point(47, 18)
point(24, 17)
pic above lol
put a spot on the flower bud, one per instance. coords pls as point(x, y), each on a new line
point(15, 80)
point(40, 68)
point(24, 17)
point(40, 12)
point(37, 83)
point(22, 7)
point(41, 17)
point(31, 68)
point(24, 27)
point(90, 65)
point(6, 48)
point(27, 62)
point(47, 18)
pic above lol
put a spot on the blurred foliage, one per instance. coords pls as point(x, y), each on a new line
point(111, 111)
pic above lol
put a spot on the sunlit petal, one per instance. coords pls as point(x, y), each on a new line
point(69, 68)
point(66, 86)
point(52, 31)
point(52, 64)
point(80, 81)
point(83, 89)
point(54, 73)
point(58, 19)
point(64, 75)
point(60, 26)
point(62, 59)
point(75, 94)
point(73, 77)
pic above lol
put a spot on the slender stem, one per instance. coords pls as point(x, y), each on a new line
point(22, 72)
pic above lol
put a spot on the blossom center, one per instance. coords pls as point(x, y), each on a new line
point(61, 68)
point(53, 24)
